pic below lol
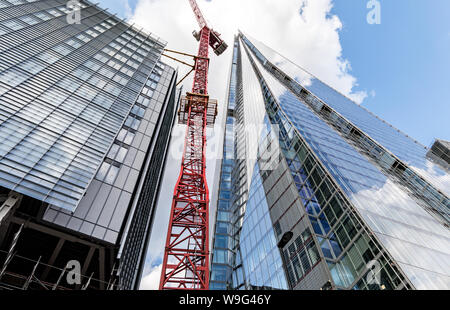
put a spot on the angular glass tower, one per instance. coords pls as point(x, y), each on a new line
point(321, 193)
point(86, 112)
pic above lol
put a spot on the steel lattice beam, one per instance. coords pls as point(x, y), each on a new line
point(186, 257)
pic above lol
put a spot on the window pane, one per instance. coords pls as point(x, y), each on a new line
point(112, 174)
point(103, 171)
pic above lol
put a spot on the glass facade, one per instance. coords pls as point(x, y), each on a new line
point(260, 256)
point(86, 114)
point(353, 191)
point(66, 90)
point(221, 266)
point(424, 179)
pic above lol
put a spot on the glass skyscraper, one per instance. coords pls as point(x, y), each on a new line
point(86, 113)
point(320, 193)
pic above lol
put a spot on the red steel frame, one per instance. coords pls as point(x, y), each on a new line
point(186, 257)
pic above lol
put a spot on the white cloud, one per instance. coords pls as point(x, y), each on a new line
point(310, 39)
point(151, 280)
point(302, 30)
point(128, 12)
point(415, 239)
point(435, 175)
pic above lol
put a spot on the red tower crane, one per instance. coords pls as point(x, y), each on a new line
point(186, 257)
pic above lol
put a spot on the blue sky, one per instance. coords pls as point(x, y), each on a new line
point(118, 7)
point(404, 61)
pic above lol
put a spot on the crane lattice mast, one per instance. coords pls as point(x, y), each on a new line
point(186, 257)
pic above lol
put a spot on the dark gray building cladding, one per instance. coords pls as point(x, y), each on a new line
point(347, 201)
point(86, 113)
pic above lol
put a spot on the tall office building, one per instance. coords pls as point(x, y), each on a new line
point(86, 113)
point(320, 193)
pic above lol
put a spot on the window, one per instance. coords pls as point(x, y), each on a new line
point(49, 57)
point(62, 49)
point(13, 25)
point(221, 256)
point(151, 84)
point(74, 43)
point(30, 20)
point(99, 83)
point(3, 4)
point(147, 91)
point(103, 171)
point(221, 241)
point(129, 138)
point(326, 249)
point(144, 101)
point(304, 260)
point(112, 174)
point(132, 122)
point(297, 267)
point(54, 12)
point(108, 172)
point(42, 15)
point(222, 228)
point(219, 273)
point(225, 194)
point(121, 154)
point(13, 77)
point(83, 38)
point(118, 153)
point(69, 84)
point(31, 65)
